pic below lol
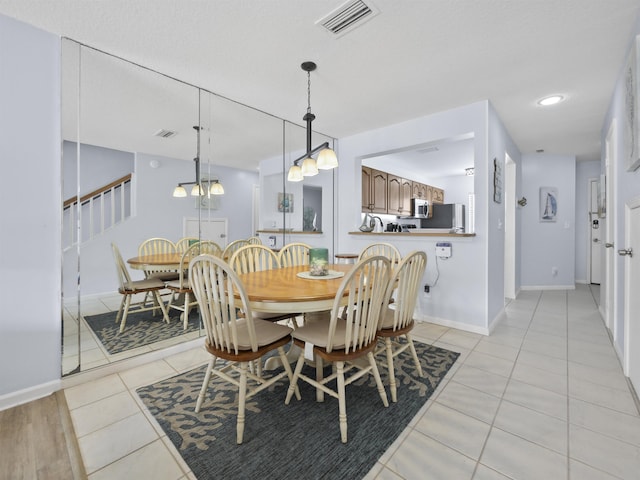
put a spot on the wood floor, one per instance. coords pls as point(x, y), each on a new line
point(37, 441)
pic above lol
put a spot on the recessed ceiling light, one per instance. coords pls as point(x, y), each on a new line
point(551, 100)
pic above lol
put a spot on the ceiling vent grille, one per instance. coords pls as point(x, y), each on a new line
point(165, 133)
point(348, 17)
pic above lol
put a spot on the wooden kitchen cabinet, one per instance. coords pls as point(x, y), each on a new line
point(399, 192)
point(374, 190)
point(383, 192)
point(406, 194)
point(437, 195)
point(394, 194)
point(419, 190)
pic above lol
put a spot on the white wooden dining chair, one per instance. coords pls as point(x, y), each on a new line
point(254, 241)
point(385, 249)
point(157, 245)
point(294, 254)
point(231, 248)
point(236, 339)
point(128, 288)
point(253, 258)
point(345, 341)
point(397, 320)
point(181, 287)
point(184, 243)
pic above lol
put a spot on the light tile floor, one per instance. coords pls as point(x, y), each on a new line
point(543, 397)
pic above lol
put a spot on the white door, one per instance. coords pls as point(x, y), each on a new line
point(207, 229)
point(596, 244)
point(631, 253)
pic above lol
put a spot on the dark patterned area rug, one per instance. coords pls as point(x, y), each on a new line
point(142, 328)
point(300, 440)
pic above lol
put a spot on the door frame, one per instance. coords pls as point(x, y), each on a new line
point(590, 244)
point(510, 227)
point(629, 206)
point(609, 312)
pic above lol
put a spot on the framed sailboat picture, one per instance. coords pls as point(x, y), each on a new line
point(548, 204)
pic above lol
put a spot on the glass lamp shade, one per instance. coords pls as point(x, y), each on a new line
point(216, 188)
point(179, 191)
point(295, 174)
point(197, 190)
point(327, 159)
point(309, 167)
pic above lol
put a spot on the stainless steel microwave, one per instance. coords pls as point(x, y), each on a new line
point(420, 208)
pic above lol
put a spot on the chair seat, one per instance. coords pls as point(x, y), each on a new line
point(164, 276)
point(387, 321)
point(143, 285)
point(316, 333)
point(266, 332)
point(185, 286)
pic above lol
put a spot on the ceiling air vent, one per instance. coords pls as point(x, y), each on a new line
point(347, 17)
point(165, 133)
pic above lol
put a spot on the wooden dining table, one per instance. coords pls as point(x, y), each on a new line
point(283, 290)
point(157, 262)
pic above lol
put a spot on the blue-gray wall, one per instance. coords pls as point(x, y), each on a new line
point(30, 248)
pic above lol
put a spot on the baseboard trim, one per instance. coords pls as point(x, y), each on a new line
point(548, 287)
point(26, 395)
point(451, 324)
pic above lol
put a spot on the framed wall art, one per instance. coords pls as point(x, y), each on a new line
point(497, 181)
point(548, 204)
point(631, 99)
point(285, 202)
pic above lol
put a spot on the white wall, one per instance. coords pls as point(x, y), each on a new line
point(626, 187)
point(584, 172)
point(460, 277)
point(499, 145)
point(30, 253)
point(546, 245)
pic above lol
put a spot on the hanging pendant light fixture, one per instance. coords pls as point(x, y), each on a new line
point(327, 158)
point(197, 190)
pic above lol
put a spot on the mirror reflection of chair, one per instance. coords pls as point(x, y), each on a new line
point(345, 341)
point(181, 287)
point(230, 249)
point(294, 254)
point(157, 245)
point(398, 321)
point(237, 340)
point(128, 288)
point(184, 243)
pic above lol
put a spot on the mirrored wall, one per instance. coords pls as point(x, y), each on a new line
point(130, 136)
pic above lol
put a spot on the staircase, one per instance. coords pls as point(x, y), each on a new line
point(96, 212)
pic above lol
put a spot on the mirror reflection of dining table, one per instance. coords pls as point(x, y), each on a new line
point(157, 262)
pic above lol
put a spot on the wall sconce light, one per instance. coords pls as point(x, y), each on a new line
point(327, 158)
point(522, 202)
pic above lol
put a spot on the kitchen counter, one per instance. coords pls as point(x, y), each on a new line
point(290, 232)
point(417, 232)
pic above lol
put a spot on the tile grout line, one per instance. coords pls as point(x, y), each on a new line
point(495, 415)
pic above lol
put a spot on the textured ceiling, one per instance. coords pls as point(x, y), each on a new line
point(414, 58)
